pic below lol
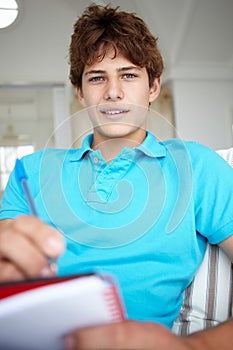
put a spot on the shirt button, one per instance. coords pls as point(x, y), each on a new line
point(96, 160)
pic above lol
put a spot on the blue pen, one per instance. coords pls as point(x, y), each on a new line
point(22, 177)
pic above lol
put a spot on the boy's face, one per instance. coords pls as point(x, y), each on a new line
point(117, 95)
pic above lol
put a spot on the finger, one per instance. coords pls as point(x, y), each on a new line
point(43, 236)
point(27, 242)
point(112, 336)
point(9, 272)
point(125, 335)
point(23, 254)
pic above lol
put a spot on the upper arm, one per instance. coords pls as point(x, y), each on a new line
point(227, 246)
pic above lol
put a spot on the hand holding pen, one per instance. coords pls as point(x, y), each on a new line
point(22, 177)
point(27, 243)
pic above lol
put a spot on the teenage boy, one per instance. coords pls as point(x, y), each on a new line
point(126, 203)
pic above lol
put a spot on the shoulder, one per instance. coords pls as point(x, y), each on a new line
point(204, 156)
point(197, 153)
point(47, 153)
point(201, 162)
point(44, 158)
point(195, 148)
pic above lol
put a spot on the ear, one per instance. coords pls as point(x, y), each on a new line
point(155, 89)
point(80, 96)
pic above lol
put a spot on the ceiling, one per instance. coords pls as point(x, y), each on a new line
point(195, 37)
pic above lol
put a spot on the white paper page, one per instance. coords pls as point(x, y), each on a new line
point(38, 319)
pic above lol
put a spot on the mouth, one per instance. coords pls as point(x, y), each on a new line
point(113, 113)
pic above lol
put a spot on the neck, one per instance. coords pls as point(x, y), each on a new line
point(111, 147)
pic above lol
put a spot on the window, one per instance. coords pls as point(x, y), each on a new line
point(8, 157)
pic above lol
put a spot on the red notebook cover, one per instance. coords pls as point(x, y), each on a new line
point(8, 289)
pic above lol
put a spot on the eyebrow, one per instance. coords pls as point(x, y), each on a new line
point(122, 69)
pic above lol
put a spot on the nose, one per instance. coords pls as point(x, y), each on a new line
point(114, 91)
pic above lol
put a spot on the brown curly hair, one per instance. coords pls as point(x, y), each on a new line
point(101, 28)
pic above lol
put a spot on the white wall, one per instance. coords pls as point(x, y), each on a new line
point(203, 110)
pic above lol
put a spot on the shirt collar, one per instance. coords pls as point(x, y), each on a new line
point(150, 147)
point(77, 153)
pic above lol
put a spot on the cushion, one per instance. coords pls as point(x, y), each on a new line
point(208, 299)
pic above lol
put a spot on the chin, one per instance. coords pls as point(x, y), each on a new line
point(116, 131)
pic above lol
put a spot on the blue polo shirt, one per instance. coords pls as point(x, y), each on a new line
point(144, 217)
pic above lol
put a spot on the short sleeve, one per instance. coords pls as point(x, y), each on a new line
point(13, 201)
point(213, 193)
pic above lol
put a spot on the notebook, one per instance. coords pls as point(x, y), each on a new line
point(37, 314)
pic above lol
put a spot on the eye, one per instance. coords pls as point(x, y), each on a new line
point(129, 76)
point(96, 79)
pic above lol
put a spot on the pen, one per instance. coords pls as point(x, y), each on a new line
point(22, 177)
